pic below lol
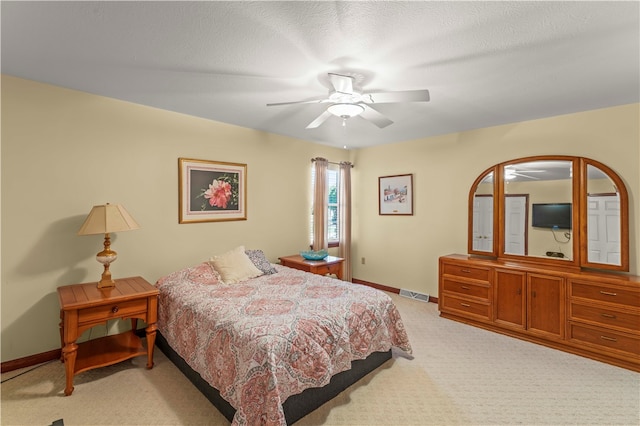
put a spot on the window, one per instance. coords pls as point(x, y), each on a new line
point(333, 231)
point(333, 200)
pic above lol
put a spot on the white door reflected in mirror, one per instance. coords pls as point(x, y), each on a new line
point(603, 218)
point(546, 184)
point(483, 223)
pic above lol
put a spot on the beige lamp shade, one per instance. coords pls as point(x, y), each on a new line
point(104, 220)
point(107, 218)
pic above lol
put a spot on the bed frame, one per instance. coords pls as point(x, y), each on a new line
point(296, 406)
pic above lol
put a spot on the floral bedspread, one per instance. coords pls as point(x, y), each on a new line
point(260, 341)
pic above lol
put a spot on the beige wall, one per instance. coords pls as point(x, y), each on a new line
point(403, 251)
point(64, 151)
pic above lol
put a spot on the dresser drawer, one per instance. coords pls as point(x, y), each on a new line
point(623, 321)
point(604, 293)
point(604, 338)
point(475, 273)
point(465, 288)
point(112, 310)
point(452, 303)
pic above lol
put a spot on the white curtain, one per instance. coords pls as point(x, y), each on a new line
point(320, 204)
point(344, 250)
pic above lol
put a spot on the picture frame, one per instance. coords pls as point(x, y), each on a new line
point(395, 195)
point(211, 191)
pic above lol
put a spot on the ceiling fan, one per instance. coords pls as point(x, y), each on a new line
point(512, 173)
point(347, 100)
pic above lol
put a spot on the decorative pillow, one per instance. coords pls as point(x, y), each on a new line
point(235, 266)
point(260, 261)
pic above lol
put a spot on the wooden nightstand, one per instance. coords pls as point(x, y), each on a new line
point(328, 265)
point(83, 306)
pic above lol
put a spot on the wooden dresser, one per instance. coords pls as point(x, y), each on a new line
point(593, 314)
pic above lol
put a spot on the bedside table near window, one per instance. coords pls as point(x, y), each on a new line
point(328, 265)
point(83, 306)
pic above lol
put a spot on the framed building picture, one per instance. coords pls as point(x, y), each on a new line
point(211, 191)
point(395, 195)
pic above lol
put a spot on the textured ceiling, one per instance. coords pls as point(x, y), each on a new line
point(484, 63)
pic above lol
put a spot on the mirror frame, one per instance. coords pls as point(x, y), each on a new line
point(579, 214)
point(472, 194)
point(575, 212)
point(624, 217)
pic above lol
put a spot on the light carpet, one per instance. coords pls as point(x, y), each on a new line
point(459, 375)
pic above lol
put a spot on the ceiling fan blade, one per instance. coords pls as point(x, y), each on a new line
point(318, 121)
point(342, 83)
point(401, 96)
point(525, 176)
point(311, 101)
point(374, 116)
point(515, 171)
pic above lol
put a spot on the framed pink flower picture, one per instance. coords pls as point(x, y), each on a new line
point(211, 191)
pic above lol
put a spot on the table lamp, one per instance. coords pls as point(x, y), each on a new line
point(104, 220)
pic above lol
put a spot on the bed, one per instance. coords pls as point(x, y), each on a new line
point(269, 349)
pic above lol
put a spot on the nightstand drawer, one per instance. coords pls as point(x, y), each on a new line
point(481, 274)
point(329, 269)
point(112, 310)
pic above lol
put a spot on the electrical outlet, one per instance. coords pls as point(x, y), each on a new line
point(362, 260)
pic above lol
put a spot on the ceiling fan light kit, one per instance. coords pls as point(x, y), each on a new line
point(345, 110)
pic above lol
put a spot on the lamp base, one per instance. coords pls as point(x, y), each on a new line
point(106, 282)
point(106, 257)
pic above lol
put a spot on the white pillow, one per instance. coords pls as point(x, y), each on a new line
point(235, 266)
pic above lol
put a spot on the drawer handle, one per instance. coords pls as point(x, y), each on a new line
point(464, 287)
point(608, 316)
point(466, 305)
point(611, 339)
point(466, 271)
point(608, 293)
point(115, 309)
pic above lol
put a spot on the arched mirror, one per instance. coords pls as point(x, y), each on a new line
point(606, 221)
point(481, 212)
point(561, 210)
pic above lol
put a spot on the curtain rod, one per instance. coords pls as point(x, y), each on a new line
point(313, 160)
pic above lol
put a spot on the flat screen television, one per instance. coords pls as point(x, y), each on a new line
point(551, 215)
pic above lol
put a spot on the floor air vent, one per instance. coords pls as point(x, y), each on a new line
point(414, 295)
